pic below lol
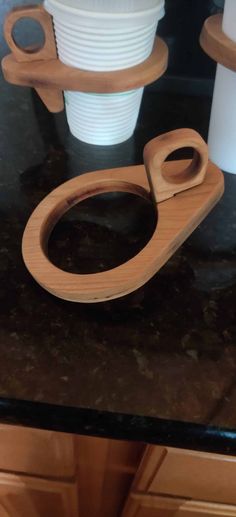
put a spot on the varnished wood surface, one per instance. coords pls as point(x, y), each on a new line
point(41, 453)
point(53, 97)
point(216, 44)
point(163, 184)
point(157, 506)
point(38, 13)
point(54, 74)
point(106, 469)
point(26, 496)
point(177, 218)
point(188, 474)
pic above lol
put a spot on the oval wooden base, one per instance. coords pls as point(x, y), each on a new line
point(177, 218)
point(216, 44)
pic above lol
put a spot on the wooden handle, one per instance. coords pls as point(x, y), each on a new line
point(38, 13)
point(51, 96)
point(164, 186)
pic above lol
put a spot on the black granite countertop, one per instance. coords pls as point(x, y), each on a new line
point(158, 365)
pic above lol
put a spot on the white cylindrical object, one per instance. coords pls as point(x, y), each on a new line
point(101, 41)
point(100, 50)
point(111, 6)
point(104, 35)
point(103, 119)
point(222, 130)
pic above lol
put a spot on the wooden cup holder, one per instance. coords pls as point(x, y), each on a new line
point(216, 44)
point(42, 70)
point(178, 216)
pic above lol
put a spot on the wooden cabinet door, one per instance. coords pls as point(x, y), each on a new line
point(32, 451)
point(25, 496)
point(188, 474)
point(106, 469)
point(154, 506)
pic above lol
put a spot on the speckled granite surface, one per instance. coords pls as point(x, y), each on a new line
point(167, 351)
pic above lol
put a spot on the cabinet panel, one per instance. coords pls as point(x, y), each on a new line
point(189, 474)
point(154, 506)
point(32, 451)
point(106, 469)
point(31, 497)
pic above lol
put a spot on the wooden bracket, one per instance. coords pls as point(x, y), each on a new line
point(177, 217)
point(42, 70)
point(216, 44)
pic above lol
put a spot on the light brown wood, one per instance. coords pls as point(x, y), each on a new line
point(196, 475)
point(40, 69)
point(38, 13)
point(105, 471)
point(216, 44)
point(32, 451)
point(54, 74)
point(155, 154)
point(52, 97)
point(177, 218)
point(152, 460)
point(157, 506)
point(25, 496)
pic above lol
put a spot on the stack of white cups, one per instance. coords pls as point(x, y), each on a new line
point(104, 35)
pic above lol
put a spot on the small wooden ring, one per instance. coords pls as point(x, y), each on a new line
point(216, 44)
point(157, 150)
point(38, 13)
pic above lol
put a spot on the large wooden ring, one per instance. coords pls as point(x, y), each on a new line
point(177, 218)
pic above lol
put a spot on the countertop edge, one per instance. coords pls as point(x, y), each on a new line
point(118, 426)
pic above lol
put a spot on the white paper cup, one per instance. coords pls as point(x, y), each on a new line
point(103, 119)
point(101, 40)
point(111, 6)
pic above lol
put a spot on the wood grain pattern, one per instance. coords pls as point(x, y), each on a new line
point(157, 150)
point(52, 97)
point(56, 75)
point(38, 13)
point(150, 465)
point(188, 474)
point(216, 44)
point(105, 471)
point(177, 218)
point(25, 496)
point(202, 476)
point(157, 506)
point(42, 453)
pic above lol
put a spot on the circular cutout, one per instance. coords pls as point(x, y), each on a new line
point(28, 35)
point(101, 233)
point(182, 175)
point(95, 287)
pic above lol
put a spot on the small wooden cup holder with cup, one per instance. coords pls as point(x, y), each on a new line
point(217, 44)
point(41, 69)
point(184, 190)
